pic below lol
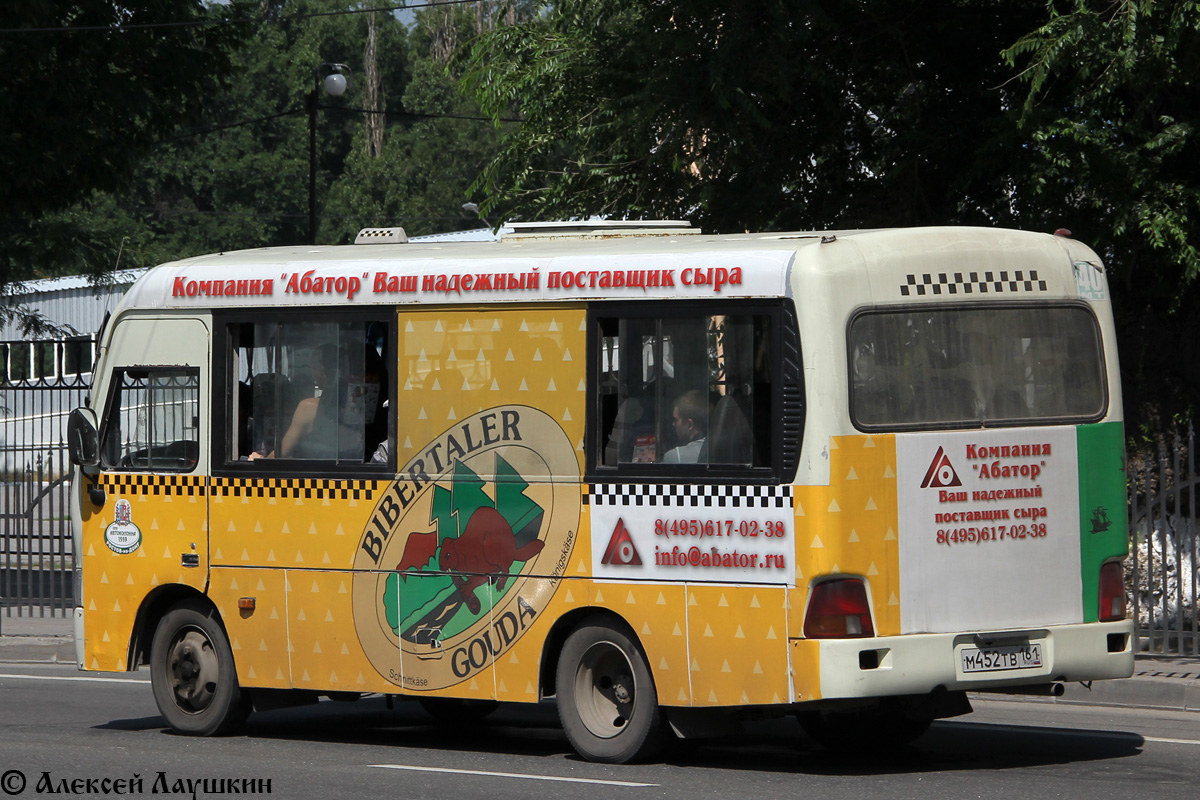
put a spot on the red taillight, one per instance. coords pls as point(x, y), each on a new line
point(1112, 592)
point(838, 608)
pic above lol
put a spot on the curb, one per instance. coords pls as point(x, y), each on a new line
point(1137, 692)
point(37, 650)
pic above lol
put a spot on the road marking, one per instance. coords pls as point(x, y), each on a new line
point(526, 776)
point(1171, 741)
point(72, 678)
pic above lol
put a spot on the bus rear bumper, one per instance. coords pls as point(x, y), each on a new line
point(979, 661)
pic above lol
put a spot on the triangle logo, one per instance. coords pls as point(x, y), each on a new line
point(941, 473)
point(620, 551)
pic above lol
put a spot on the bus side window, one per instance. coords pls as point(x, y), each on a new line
point(315, 392)
point(686, 388)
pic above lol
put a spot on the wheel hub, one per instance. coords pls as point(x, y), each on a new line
point(605, 690)
point(194, 671)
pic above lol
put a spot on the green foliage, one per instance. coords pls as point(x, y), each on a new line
point(816, 113)
point(433, 150)
point(1111, 114)
point(118, 91)
point(236, 176)
point(82, 109)
point(150, 144)
point(240, 180)
point(1112, 111)
point(765, 114)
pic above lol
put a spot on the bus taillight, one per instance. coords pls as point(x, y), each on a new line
point(1112, 592)
point(838, 609)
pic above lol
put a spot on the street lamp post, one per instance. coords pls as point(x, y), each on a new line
point(472, 210)
point(335, 79)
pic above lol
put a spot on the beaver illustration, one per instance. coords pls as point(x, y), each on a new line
point(486, 550)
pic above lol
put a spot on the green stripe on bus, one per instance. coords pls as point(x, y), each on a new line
point(1102, 513)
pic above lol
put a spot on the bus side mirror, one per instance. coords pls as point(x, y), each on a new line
point(83, 442)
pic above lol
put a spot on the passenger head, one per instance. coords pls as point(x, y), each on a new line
point(325, 366)
point(690, 415)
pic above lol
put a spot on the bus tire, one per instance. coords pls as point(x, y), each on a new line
point(606, 697)
point(864, 730)
point(192, 673)
point(457, 711)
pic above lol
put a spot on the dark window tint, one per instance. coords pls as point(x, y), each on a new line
point(929, 367)
point(684, 388)
point(307, 391)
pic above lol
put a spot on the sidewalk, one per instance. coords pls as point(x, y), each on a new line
point(1163, 682)
point(37, 640)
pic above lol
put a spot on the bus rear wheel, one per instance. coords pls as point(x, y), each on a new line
point(606, 697)
point(192, 673)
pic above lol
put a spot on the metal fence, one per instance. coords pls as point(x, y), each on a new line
point(40, 382)
point(1161, 574)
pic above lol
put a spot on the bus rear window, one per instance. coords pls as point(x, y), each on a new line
point(958, 367)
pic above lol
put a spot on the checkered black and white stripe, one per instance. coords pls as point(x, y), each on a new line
point(676, 496)
point(972, 283)
point(136, 483)
point(295, 488)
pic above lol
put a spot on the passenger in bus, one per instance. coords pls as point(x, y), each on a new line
point(313, 431)
point(689, 417)
point(347, 411)
point(630, 427)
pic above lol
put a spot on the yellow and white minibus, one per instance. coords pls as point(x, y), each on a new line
point(663, 477)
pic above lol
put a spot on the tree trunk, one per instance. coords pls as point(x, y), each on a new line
point(373, 99)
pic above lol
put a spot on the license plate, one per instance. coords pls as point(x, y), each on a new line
point(1001, 659)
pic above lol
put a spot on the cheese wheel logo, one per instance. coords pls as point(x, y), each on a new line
point(464, 550)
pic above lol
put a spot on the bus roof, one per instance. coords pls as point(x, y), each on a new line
point(666, 264)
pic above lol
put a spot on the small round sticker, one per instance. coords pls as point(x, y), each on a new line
point(122, 536)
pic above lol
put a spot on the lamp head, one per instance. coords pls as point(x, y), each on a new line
point(336, 84)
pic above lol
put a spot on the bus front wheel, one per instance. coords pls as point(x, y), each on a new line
point(192, 673)
point(606, 697)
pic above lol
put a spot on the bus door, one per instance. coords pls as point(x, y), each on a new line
point(145, 518)
point(301, 463)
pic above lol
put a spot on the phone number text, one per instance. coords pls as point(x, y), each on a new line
point(993, 533)
point(703, 528)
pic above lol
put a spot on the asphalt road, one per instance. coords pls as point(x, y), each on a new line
point(59, 728)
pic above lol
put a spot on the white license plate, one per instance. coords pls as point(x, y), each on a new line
point(1001, 659)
